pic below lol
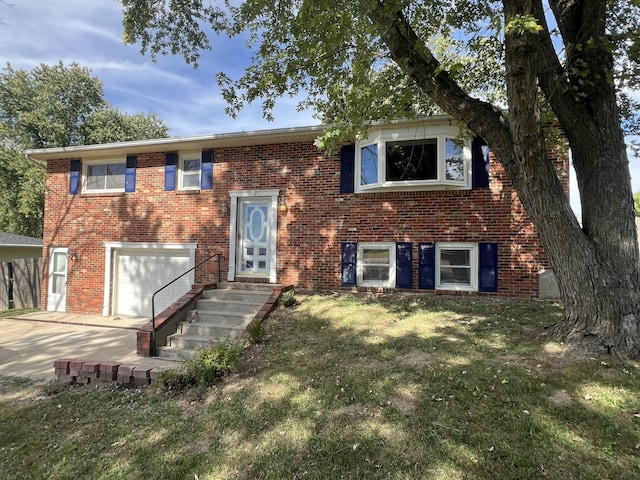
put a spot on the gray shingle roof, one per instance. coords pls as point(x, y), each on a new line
point(11, 239)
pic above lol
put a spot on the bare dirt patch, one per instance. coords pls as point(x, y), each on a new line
point(418, 358)
point(406, 403)
point(560, 398)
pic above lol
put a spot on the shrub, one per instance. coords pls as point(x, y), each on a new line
point(288, 298)
point(209, 365)
point(256, 332)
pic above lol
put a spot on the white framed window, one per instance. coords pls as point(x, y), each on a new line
point(405, 159)
point(190, 168)
point(457, 266)
point(376, 264)
point(104, 175)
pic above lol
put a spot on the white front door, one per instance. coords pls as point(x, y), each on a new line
point(57, 291)
point(254, 249)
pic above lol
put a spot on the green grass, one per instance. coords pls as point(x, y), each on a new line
point(16, 311)
point(352, 387)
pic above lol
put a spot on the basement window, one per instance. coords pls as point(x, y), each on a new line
point(457, 266)
point(376, 264)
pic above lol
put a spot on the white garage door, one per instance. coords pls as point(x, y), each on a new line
point(141, 272)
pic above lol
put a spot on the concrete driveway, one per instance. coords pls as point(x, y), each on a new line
point(29, 344)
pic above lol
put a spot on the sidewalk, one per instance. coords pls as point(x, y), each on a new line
point(30, 343)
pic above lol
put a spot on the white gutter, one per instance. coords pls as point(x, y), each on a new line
point(173, 143)
point(279, 135)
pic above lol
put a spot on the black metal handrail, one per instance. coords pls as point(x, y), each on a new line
point(154, 349)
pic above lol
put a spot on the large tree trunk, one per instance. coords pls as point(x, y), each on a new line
point(597, 267)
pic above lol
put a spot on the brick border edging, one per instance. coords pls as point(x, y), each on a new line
point(267, 308)
point(86, 372)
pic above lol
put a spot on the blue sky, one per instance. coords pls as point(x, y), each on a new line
point(89, 32)
point(188, 101)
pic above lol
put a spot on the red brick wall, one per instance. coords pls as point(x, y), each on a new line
point(310, 232)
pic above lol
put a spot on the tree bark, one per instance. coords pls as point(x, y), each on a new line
point(597, 265)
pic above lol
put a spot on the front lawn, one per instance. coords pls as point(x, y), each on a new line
point(352, 387)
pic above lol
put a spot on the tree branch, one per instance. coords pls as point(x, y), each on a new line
point(551, 74)
point(409, 51)
point(3, 2)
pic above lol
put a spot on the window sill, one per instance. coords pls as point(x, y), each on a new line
point(102, 194)
point(457, 288)
point(375, 285)
point(411, 188)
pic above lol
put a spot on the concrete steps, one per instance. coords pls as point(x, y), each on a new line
point(221, 314)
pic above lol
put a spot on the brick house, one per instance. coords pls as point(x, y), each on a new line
point(408, 208)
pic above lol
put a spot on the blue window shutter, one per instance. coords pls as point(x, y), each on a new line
point(404, 265)
point(347, 168)
point(74, 177)
point(480, 163)
point(130, 175)
point(488, 268)
point(349, 263)
point(427, 265)
point(170, 161)
point(206, 175)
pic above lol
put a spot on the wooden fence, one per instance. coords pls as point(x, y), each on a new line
point(20, 282)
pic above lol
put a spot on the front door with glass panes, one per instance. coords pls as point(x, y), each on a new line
point(57, 291)
point(253, 237)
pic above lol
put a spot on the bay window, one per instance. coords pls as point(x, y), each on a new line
point(410, 160)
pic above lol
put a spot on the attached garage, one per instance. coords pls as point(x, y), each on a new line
point(139, 272)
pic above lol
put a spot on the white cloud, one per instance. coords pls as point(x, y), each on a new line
point(89, 33)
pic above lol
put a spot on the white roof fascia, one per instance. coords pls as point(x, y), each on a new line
point(236, 139)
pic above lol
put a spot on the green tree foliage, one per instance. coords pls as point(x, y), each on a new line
point(21, 194)
point(48, 106)
point(53, 106)
point(366, 60)
point(636, 203)
point(334, 53)
point(110, 125)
